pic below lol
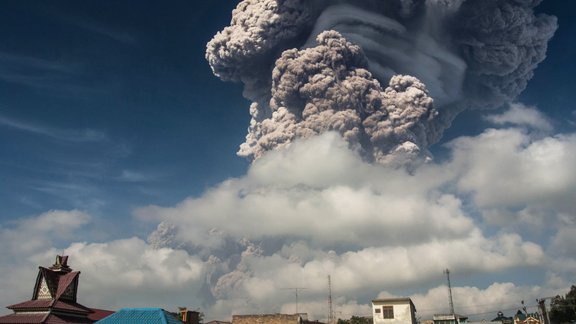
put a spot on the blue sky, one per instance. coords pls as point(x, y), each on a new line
point(111, 122)
point(105, 108)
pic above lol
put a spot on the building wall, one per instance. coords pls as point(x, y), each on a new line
point(266, 319)
point(403, 312)
point(449, 319)
point(189, 317)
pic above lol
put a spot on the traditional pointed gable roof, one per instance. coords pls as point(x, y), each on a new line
point(56, 282)
point(53, 299)
point(52, 285)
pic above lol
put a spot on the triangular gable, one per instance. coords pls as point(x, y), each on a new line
point(54, 285)
point(526, 318)
point(532, 319)
point(43, 290)
point(45, 279)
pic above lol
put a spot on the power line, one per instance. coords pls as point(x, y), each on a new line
point(496, 309)
point(499, 305)
point(493, 311)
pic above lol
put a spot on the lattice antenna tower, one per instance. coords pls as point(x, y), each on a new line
point(447, 272)
point(330, 309)
point(296, 294)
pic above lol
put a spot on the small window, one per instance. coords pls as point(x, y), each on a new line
point(387, 311)
point(377, 310)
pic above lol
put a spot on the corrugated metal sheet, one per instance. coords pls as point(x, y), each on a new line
point(64, 281)
point(45, 304)
point(140, 315)
point(23, 318)
point(65, 319)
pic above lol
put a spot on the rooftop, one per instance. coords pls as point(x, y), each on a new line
point(140, 315)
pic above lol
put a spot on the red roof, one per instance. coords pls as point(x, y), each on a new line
point(65, 319)
point(65, 281)
point(48, 318)
point(38, 303)
point(70, 306)
point(23, 318)
point(57, 307)
point(98, 314)
point(44, 304)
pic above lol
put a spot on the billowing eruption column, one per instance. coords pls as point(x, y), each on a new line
point(388, 75)
point(327, 87)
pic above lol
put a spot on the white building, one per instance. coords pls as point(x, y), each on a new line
point(449, 319)
point(393, 311)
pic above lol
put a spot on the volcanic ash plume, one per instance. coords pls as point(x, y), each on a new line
point(319, 65)
point(327, 88)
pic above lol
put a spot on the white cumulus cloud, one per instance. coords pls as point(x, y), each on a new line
point(498, 207)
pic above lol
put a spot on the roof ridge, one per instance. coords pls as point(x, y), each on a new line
point(163, 312)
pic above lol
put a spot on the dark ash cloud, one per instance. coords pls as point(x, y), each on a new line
point(462, 54)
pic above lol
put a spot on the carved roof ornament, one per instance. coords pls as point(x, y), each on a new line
point(61, 264)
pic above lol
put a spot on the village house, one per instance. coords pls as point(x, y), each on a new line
point(527, 318)
point(449, 319)
point(272, 319)
point(503, 319)
point(393, 311)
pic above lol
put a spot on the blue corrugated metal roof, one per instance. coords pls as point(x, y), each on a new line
point(140, 315)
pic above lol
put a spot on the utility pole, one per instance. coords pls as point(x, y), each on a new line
point(330, 310)
point(296, 293)
point(447, 272)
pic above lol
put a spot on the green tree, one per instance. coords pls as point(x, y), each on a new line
point(563, 309)
point(356, 320)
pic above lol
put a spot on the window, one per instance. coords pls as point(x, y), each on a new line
point(387, 311)
point(377, 310)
